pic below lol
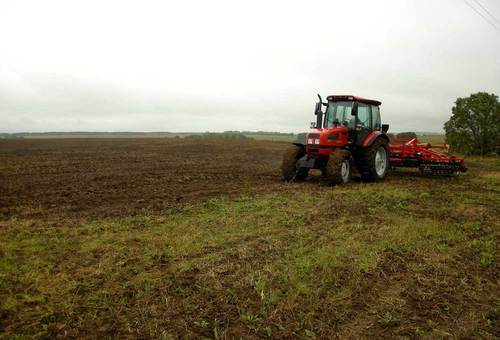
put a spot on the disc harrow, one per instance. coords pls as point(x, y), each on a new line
point(431, 160)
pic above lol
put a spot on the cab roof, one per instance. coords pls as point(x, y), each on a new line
point(348, 97)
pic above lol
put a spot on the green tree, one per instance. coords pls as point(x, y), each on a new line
point(474, 127)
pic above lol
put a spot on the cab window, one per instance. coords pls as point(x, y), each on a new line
point(376, 117)
point(364, 115)
point(339, 112)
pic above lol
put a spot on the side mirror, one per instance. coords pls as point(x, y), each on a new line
point(313, 125)
point(385, 127)
point(354, 110)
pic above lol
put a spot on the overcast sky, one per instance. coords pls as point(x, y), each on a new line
point(238, 65)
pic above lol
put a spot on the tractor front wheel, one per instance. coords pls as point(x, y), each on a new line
point(289, 164)
point(338, 168)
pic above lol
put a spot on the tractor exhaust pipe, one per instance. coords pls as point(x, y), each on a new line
point(319, 113)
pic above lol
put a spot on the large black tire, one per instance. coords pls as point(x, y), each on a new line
point(369, 165)
point(333, 172)
point(288, 165)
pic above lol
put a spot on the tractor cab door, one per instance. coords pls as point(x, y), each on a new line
point(361, 125)
point(367, 121)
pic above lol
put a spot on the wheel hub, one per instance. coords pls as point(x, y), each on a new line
point(381, 161)
point(344, 171)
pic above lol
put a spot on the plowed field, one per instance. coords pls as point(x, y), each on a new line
point(102, 177)
point(195, 238)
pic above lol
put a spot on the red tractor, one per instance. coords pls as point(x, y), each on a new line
point(350, 135)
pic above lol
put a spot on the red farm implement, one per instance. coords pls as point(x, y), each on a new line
point(430, 159)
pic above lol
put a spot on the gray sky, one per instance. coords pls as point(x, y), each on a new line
point(237, 65)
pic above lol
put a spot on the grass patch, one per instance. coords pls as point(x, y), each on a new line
point(401, 258)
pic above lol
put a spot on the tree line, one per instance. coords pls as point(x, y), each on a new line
point(474, 127)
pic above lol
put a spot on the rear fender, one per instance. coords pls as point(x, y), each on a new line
point(372, 137)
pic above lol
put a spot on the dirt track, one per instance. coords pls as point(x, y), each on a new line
point(80, 178)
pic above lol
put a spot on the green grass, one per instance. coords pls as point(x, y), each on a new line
point(279, 137)
point(273, 137)
point(404, 258)
point(433, 139)
point(276, 137)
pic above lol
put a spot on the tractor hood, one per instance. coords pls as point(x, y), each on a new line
point(330, 138)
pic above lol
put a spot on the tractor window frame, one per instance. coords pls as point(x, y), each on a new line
point(347, 113)
point(369, 115)
point(375, 118)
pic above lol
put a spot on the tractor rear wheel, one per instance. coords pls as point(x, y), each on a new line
point(338, 168)
point(374, 161)
point(289, 164)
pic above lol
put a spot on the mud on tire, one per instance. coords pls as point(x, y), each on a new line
point(288, 165)
point(366, 161)
point(332, 173)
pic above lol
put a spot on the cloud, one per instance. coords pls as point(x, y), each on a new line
point(220, 65)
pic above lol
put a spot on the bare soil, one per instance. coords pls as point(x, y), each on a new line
point(88, 178)
point(161, 238)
